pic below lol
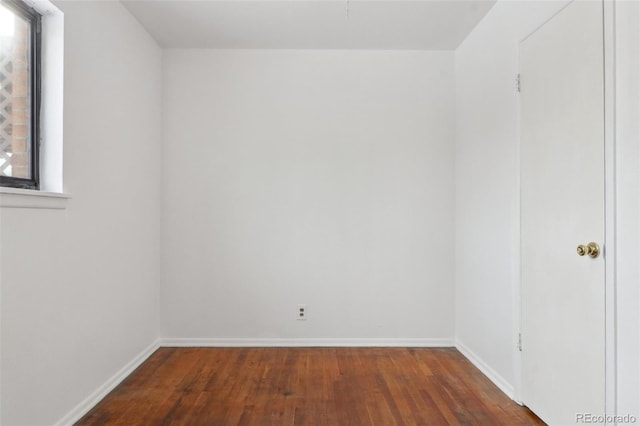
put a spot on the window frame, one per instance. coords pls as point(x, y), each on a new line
point(34, 18)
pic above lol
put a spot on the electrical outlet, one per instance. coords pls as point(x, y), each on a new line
point(302, 312)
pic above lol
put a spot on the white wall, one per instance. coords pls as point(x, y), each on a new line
point(317, 177)
point(80, 286)
point(486, 188)
point(628, 205)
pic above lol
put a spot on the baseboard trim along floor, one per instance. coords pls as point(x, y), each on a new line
point(303, 342)
point(83, 408)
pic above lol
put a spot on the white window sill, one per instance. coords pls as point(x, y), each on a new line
point(32, 199)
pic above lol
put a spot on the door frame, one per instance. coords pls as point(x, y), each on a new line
point(610, 215)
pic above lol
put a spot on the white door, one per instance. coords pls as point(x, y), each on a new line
point(562, 206)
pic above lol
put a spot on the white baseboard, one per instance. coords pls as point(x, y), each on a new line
point(304, 342)
point(102, 391)
point(496, 378)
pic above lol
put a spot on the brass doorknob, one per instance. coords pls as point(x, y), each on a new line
point(592, 250)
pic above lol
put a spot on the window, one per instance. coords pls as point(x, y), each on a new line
point(20, 66)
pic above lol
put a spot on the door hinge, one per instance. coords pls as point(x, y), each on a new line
point(520, 342)
point(518, 83)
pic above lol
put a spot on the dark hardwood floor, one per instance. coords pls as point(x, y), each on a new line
point(307, 386)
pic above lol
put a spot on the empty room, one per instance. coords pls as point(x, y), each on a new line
point(319, 212)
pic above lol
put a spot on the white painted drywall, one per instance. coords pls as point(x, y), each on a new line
point(316, 177)
point(628, 205)
point(80, 286)
point(487, 173)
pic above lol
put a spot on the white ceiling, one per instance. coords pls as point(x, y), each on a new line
point(301, 24)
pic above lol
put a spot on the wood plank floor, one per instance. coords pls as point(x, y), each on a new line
point(307, 386)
